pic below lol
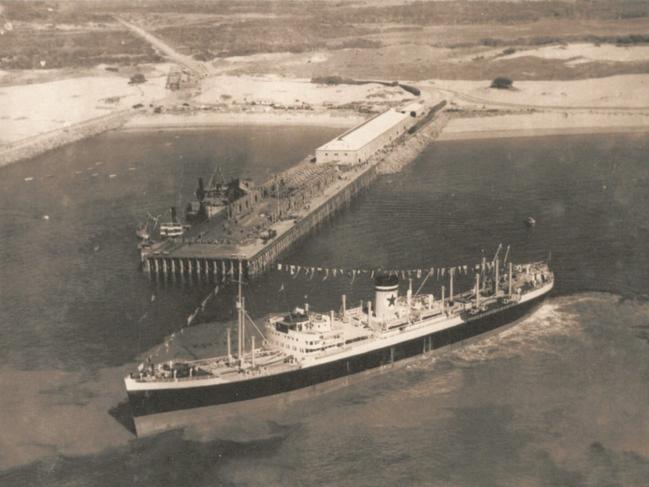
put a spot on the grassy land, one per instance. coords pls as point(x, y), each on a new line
point(52, 35)
point(503, 12)
point(244, 37)
point(57, 49)
point(413, 40)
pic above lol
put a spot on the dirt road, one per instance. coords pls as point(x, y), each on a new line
point(197, 67)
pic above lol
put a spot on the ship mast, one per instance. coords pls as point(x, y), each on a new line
point(217, 170)
point(451, 272)
point(240, 341)
point(506, 256)
point(509, 279)
point(497, 277)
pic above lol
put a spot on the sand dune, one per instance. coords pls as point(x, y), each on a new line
point(625, 91)
point(584, 52)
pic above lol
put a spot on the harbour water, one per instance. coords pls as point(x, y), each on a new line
point(559, 399)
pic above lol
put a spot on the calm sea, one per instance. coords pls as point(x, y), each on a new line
point(560, 399)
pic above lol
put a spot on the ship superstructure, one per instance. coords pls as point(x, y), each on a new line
point(303, 348)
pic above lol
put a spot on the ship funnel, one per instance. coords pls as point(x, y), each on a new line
point(173, 214)
point(200, 190)
point(386, 292)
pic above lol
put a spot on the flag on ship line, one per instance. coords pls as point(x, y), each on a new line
point(204, 302)
point(434, 272)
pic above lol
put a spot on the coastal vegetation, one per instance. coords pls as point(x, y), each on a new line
point(339, 80)
point(502, 83)
point(137, 79)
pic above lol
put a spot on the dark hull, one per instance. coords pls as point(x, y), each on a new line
point(159, 401)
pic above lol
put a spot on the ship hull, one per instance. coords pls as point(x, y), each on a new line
point(145, 403)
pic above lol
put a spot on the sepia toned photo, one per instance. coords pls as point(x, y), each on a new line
point(324, 242)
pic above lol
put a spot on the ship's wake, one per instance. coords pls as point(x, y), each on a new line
point(531, 334)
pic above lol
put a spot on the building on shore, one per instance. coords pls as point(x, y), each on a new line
point(360, 143)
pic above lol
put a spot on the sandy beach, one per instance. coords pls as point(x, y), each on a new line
point(66, 102)
point(197, 120)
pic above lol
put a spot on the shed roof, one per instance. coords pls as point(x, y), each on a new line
point(361, 135)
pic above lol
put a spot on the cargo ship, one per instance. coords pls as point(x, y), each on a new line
point(306, 350)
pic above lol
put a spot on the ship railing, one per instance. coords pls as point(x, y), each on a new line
point(214, 372)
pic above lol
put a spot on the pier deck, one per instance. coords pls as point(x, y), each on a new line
point(215, 260)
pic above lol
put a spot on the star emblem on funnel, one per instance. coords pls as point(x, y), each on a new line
point(391, 300)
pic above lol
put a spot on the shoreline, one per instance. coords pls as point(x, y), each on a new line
point(540, 124)
point(228, 119)
point(458, 128)
point(124, 121)
point(542, 132)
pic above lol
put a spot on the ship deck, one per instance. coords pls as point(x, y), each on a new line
point(420, 320)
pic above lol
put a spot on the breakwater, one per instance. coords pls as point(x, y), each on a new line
point(38, 144)
point(420, 136)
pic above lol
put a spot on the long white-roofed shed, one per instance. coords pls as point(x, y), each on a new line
point(358, 144)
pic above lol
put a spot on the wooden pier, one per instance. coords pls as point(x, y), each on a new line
point(317, 195)
point(220, 262)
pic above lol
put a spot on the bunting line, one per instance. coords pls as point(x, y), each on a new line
point(436, 273)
